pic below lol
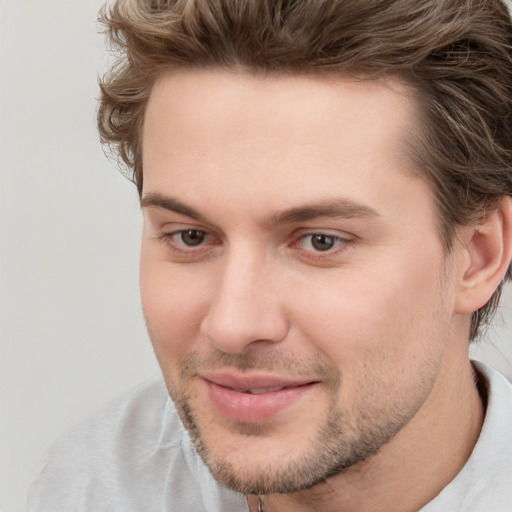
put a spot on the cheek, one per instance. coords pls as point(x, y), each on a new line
point(382, 340)
point(368, 318)
point(173, 304)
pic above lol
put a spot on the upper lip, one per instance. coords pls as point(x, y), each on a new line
point(230, 380)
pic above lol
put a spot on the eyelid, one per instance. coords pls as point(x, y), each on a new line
point(171, 235)
point(168, 235)
point(334, 233)
point(343, 242)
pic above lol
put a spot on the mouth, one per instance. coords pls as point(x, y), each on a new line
point(254, 399)
point(260, 391)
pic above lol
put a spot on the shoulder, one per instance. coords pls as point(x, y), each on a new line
point(89, 459)
point(99, 464)
point(135, 455)
point(129, 426)
point(485, 482)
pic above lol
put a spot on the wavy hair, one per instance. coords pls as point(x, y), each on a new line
point(456, 54)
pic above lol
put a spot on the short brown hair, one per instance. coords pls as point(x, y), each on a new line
point(456, 54)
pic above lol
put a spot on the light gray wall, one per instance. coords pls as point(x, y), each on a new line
point(71, 330)
point(495, 347)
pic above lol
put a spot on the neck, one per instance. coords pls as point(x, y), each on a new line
point(414, 466)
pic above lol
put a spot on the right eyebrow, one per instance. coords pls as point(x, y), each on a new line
point(155, 199)
point(338, 207)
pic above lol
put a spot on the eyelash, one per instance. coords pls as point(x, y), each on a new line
point(168, 239)
point(335, 240)
point(340, 244)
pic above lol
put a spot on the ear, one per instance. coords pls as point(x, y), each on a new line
point(487, 255)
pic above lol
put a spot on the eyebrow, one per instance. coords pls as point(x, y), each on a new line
point(342, 208)
point(339, 207)
point(169, 203)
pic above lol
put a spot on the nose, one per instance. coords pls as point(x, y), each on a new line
point(246, 307)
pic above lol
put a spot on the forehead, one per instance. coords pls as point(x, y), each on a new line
point(192, 104)
point(287, 139)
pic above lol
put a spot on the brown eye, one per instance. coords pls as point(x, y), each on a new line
point(192, 237)
point(322, 242)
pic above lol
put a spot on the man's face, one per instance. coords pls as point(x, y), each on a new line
point(294, 283)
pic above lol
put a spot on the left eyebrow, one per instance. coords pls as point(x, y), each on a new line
point(169, 203)
point(343, 208)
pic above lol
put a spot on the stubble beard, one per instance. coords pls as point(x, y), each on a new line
point(331, 453)
point(339, 444)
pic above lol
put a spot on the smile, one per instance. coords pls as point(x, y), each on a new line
point(259, 391)
point(254, 399)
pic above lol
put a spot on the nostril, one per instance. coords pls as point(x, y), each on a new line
point(233, 330)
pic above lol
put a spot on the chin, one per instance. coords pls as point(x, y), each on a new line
point(258, 464)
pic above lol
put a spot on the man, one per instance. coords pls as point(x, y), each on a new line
point(327, 224)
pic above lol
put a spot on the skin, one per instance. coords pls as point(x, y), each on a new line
point(256, 167)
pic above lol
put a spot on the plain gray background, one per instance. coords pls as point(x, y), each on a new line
point(71, 329)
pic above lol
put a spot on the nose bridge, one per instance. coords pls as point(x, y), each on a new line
point(246, 305)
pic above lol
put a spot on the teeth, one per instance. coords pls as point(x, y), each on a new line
point(259, 391)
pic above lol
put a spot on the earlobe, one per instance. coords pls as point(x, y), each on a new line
point(488, 255)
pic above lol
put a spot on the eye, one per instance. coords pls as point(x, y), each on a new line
point(188, 244)
point(191, 237)
point(321, 242)
point(187, 240)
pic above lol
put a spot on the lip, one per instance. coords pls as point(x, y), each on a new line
point(229, 394)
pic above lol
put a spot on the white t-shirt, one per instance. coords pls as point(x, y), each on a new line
point(137, 457)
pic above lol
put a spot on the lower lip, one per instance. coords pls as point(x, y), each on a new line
point(248, 408)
